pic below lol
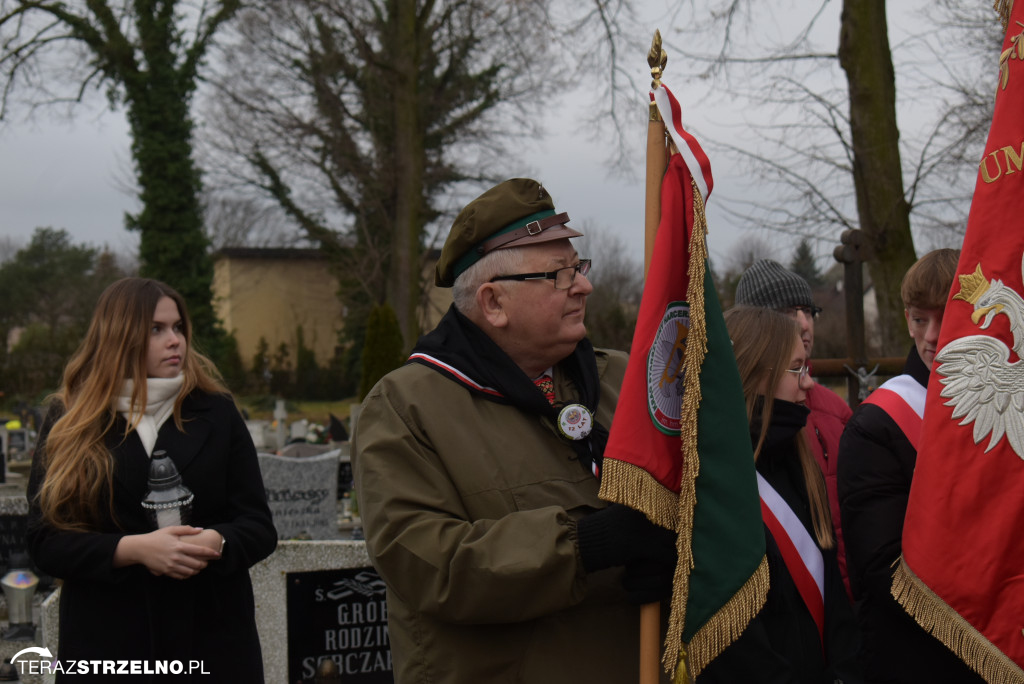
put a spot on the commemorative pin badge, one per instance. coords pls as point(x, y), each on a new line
point(575, 421)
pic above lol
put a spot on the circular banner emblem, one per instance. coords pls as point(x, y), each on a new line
point(575, 421)
point(665, 368)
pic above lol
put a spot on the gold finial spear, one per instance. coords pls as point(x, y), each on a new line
point(657, 58)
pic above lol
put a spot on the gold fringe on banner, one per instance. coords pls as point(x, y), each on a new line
point(727, 624)
point(632, 485)
point(1003, 8)
point(949, 627)
point(693, 358)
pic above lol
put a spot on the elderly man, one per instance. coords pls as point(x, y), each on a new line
point(477, 466)
point(767, 284)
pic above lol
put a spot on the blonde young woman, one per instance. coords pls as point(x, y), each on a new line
point(132, 592)
point(806, 633)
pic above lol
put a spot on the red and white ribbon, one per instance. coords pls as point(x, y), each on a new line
point(903, 399)
point(696, 161)
point(799, 551)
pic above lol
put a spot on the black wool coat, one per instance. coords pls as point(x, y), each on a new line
point(876, 467)
point(781, 644)
point(130, 614)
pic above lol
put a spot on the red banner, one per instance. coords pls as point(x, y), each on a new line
point(962, 574)
point(679, 446)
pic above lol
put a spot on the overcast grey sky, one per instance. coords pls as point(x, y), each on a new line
point(75, 173)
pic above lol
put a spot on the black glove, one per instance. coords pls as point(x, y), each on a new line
point(648, 581)
point(619, 535)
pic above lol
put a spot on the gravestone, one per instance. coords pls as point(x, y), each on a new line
point(258, 430)
point(297, 431)
point(13, 526)
point(302, 493)
point(341, 615)
point(315, 567)
point(304, 449)
point(280, 414)
point(323, 590)
point(18, 444)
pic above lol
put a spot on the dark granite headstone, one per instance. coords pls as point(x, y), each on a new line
point(13, 526)
point(341, 615)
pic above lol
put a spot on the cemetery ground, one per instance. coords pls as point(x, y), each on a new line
point(318, 412)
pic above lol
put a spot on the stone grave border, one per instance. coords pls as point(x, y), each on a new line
point(269, 585)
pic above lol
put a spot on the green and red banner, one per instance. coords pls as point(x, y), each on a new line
point(679, 447)
point(962, 572)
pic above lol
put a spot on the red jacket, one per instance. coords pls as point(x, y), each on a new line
point(829, 414)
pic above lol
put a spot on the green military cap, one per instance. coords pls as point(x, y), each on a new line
point(513, 213)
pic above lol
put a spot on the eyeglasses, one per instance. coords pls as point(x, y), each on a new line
point(802, 371)
point(809, 311)
point(563, 277)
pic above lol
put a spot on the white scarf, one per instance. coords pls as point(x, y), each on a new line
point(160, 396)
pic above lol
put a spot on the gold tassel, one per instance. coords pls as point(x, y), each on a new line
point(682, 674)
point(949, 627)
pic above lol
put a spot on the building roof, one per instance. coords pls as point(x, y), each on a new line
point(306, 253)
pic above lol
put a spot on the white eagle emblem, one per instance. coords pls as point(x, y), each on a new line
point(982, 384)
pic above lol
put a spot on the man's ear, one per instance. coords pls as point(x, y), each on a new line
point(906, 315)
point(489, 300)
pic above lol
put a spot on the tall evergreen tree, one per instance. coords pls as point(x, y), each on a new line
point(803, 264)
point(383, 348)
point(148, 54)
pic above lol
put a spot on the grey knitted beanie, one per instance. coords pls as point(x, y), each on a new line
point(767, 284)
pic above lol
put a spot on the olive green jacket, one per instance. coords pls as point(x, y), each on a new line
point(469, 508)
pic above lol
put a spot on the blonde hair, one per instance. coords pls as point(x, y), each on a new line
point(763, 341)
point(79, 468)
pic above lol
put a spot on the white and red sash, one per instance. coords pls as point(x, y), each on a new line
point(799, 551)
point(902, 398)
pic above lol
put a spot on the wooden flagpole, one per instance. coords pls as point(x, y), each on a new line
point(657, 162)
point(657, 153)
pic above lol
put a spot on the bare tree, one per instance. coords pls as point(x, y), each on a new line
point(363, 120)
point(828, 158)
point(618, 281)
point(748, 249)
point(234, 221)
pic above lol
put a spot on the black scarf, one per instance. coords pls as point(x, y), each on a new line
point(787, 420)
point(465, 348)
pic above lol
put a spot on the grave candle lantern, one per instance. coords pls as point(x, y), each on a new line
point(19, 586)
point(168, 502)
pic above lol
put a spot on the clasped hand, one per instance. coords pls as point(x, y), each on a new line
point(180, 551)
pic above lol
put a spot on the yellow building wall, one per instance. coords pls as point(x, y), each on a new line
point(271, 292)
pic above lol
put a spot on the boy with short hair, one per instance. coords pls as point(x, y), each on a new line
point(877, 454)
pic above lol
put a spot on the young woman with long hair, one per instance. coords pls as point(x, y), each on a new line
point(131, 591)
point(806, 633)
